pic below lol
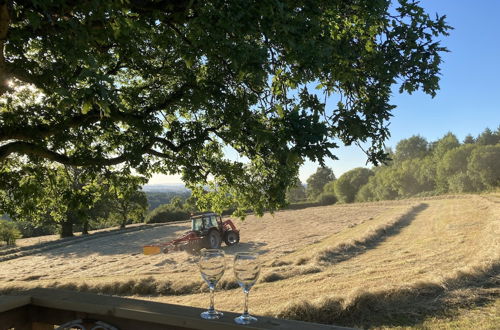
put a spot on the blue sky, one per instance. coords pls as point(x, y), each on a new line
point(469, 98)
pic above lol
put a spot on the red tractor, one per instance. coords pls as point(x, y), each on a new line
point(207, 231)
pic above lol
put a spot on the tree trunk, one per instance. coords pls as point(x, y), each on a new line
point(124, 221)
point(67, 228)
point(85, 229)
point(124, 213)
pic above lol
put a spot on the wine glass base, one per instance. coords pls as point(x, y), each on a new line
point(211, 315)
point(245, 319)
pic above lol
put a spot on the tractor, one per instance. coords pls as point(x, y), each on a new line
point(207, 231)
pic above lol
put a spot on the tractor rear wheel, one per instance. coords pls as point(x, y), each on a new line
point(231, 237)
point(212, 240)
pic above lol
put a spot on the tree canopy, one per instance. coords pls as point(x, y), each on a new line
point(349, 183)
point(317, 181)
point(165, 86)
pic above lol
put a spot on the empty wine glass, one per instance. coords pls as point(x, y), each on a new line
point(246, 270)
point(212, 265)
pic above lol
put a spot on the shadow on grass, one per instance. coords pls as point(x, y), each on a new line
point(406, 306)
point(346, 251)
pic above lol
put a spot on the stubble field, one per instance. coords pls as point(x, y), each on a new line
point(430, 262)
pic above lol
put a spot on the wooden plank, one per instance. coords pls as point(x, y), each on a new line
point(11, 302)
point(17, 318)
point(41, 326)
point(116, 309)
point(56, 316)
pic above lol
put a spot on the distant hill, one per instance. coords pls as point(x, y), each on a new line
point(179, 187)
point(163, 194)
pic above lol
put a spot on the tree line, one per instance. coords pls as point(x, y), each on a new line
point(416, 167)
point(47, 198)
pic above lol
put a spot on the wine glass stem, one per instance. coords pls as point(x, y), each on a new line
point(212, 289)
point(245, 311)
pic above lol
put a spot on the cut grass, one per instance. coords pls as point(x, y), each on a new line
point(404, 266)
point(400, 306)
point(445, 252)
point(369, 240)
point(486, 317)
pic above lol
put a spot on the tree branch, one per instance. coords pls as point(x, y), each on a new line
point(4, 27)
point(24, 132)
point(27, 148)
point(30, 133)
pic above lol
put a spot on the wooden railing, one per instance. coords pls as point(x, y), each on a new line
point(43, 309)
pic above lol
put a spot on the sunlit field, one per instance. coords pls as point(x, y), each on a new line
point(428, 262)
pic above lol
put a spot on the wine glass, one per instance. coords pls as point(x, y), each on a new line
point(212, 265)
point(246, 270)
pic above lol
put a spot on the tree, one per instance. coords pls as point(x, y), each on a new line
point(448, 142)
point(64, 195)
point(127, 201)
point(469, 139)
point(487, 137)
point(8, 232)
point(166, 85)
point(296, 193)
point(411, 148)
point(349, 183)
point(318, 180)
point(483, 165)
point(452, 171)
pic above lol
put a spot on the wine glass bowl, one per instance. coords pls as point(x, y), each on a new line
point(246, 270)
point(212, 265)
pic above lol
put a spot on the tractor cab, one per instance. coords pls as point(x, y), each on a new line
point(204, 222)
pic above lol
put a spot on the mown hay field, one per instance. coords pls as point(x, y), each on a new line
point(430, 262)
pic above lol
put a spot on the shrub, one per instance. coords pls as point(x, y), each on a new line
point(327, 199)
point(348, 185)
point(9, 232)
point(167, 213)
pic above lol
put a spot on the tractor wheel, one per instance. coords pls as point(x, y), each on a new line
point(231, 237)
point(212, 240)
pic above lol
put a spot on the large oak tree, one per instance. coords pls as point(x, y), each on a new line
point(171, 86)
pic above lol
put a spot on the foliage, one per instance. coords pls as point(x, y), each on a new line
point(47, 195)
point(413, 147)
point(487, 137)
point(9, 232)
point(326, 198)
point(296, 193)
point(167, 213)
point(127, 203)
point(484, 166)
point(318, 180)
point(156, 198)
point(33, 229)
point(451, 167)
point(329, 187)
point(165, 86)
point(445, 144)
point(349, 183)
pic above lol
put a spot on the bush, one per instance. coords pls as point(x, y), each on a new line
point(327, 199)
point(9, 232)
point(31, 229)
point(167, 213)
point(349, 183)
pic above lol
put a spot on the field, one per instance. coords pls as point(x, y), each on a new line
point(425, 263)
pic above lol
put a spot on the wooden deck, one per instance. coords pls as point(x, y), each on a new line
point(42, 309)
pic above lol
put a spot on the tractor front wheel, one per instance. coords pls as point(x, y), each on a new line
point(231, 237)
point(213, 240)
